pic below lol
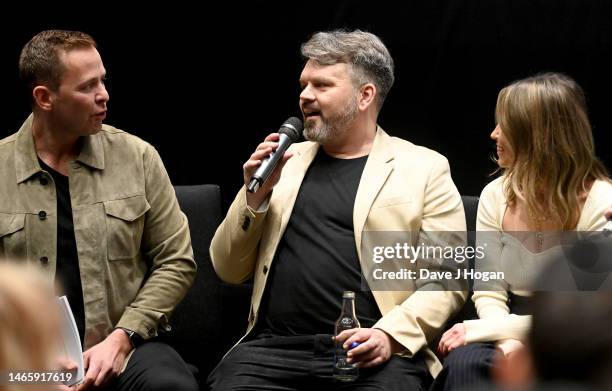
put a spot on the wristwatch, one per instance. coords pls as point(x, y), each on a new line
point(134, 337)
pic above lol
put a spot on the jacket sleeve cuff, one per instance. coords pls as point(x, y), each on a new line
point(262, 210)
point(144, 325)
point(498, 328)
point(411, 338)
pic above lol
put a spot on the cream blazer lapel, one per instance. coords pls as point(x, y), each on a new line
point(281, 205)
point(375, 173)
point(292, 183)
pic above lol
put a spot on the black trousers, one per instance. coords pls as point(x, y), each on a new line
point(155, 366)
point(305, 363)
point(467, 368)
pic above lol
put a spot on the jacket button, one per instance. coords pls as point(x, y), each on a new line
point(265, 269)
point(44, 260)
point(246, 223)
point(42, 215)
point(44, 181)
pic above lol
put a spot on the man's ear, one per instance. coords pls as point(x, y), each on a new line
point(43, 97)
point(367, 96)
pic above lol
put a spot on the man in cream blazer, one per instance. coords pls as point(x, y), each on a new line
point(395, 185)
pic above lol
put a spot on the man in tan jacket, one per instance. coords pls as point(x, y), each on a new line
point(300, 235)
point(93, 207)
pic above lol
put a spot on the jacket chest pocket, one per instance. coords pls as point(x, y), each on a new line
point(12, 235)
point(125, 220)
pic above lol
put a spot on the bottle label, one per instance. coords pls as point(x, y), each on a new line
point(347, 322)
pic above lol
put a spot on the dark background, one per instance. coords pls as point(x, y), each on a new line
point(204, 84)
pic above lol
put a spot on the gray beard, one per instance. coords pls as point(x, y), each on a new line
point(332, 128)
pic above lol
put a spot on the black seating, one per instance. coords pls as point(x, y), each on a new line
point(213, 315)
point(470, 206)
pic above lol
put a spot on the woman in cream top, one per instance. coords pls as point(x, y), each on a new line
point(550, 182)
point(496, 322)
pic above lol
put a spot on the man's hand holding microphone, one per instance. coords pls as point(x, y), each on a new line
point(262, 170)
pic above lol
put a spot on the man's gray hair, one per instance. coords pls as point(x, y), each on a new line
point(367, 57)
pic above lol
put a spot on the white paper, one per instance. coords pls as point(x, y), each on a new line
point(608, 227)
point(72, 340)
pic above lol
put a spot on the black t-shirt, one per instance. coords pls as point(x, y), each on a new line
point(67, 269)
point(316, 259)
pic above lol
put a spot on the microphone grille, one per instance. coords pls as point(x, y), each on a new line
point(293, 128)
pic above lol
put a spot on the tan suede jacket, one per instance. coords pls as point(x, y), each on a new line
point(133, 244)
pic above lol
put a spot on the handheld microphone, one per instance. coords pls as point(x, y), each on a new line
point(290, 132)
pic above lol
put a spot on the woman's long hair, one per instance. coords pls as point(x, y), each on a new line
point(544, 119)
